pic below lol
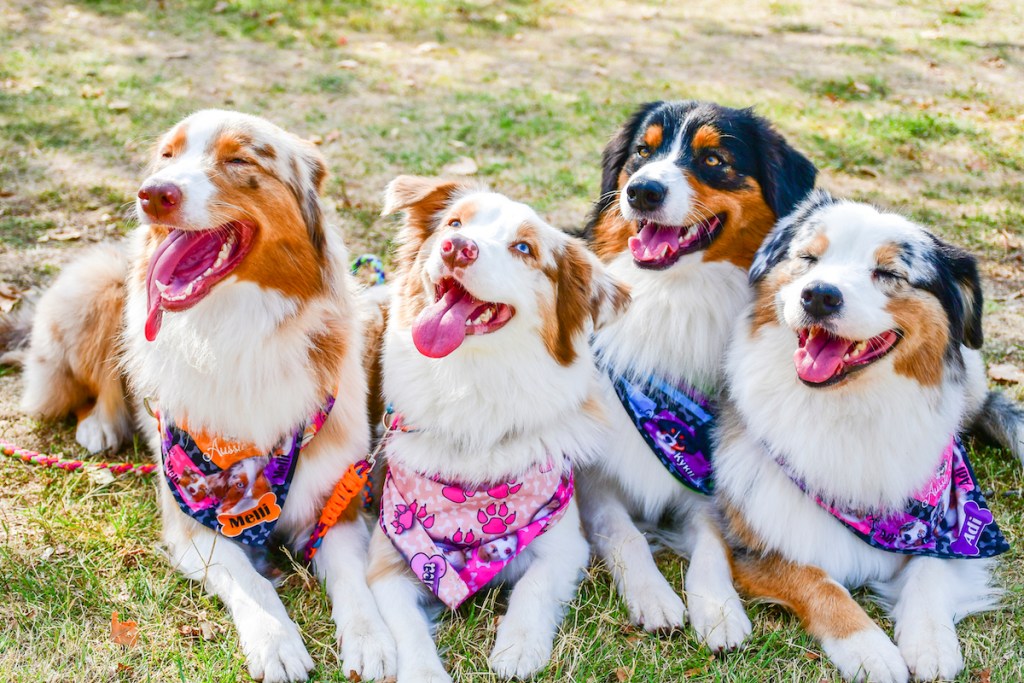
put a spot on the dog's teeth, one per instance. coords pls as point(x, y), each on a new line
point(846, 357)
point(160, 286)
point(188, 290)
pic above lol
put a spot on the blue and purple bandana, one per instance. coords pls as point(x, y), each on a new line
point(947, 518)
point(231, 486)
point(676, 421)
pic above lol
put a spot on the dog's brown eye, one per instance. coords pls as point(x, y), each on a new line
point(643, 151)
point(713, 160)
point(455, 223)
point(239, 161)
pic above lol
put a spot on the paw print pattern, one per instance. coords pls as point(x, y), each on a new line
point(407, 515)
point(505, 490)
point(461, 538)
point(456, 494)
point(495, 518)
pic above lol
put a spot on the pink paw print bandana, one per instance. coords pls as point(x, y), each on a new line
point(455, 539)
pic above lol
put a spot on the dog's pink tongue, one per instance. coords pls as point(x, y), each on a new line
point(440, 328)
point(654, 242)
point(161, 268)
point(820, 358)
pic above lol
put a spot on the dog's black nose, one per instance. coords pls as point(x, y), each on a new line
point(821, 300)
point(645, 195)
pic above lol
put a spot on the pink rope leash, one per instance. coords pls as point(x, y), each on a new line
point(44, 460)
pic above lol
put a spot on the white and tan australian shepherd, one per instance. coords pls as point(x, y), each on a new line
point(239, 327)
point(688, 193)
point(851, 377)
point(488, 371)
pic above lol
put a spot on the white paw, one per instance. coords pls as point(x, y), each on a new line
point(655, 606)
point(519, 653)
point(932, 652)
point(95, 435)
point(367, 649)
point(867, 655)
point(274, 651)
point(721, 626)
point(423, 673)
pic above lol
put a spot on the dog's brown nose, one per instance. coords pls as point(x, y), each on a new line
point(458, 251)
point(160, 199)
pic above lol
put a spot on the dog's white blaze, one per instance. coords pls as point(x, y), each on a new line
point(678, 203)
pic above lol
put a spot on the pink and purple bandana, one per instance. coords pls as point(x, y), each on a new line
point(676, 421)
point(457, 539)
point(947, 518)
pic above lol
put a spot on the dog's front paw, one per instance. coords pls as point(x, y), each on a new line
point(95, 435)
point(867, 655)
point(721, 626)
point(655, 606)
point(931, 651)
point(519, 653)
point(367, 649)
point(274, 651)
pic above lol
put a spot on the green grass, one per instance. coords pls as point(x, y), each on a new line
point(531, 91)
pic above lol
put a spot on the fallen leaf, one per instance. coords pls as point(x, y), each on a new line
point(348, 64)
point(461, 166)
point(9, 295)
point(354, 677)
point(123, 632)
point(341, 41)
point(995, 63)
point(1006, 372)
point(178, 54)
point(427, 47)
point(90, 92)
point(332, 136)
point(862, 88)
point(124, 668)
point(119, 105)
point(622, 674)
point(982, 676)
point(316, 139)
point(272, 18)
point(812, 656)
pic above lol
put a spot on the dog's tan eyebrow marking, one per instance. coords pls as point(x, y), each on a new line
point(463, 212)
point(706, 136)
point(818, 245)
point(527, 232)
point(177, 141)
point(653, 135)
point(229, 144)
point(888, 254)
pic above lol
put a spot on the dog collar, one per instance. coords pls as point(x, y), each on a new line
point(947, 518)
point(232, 486)
point(457, 539)
point(676, 422)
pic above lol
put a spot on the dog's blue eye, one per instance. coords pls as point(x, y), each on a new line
point(238, 160)
point(523, 248)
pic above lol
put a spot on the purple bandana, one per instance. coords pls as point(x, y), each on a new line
point(947, 518)
point(231, 486)
point(676, 421)
point(456, 539)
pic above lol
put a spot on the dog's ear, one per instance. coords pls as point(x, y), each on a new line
point(787, 176)
point(422, 199)
point(613, 158)
point(584, 291)
point(308, 172)
point(775, 247)
point(957, 285)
